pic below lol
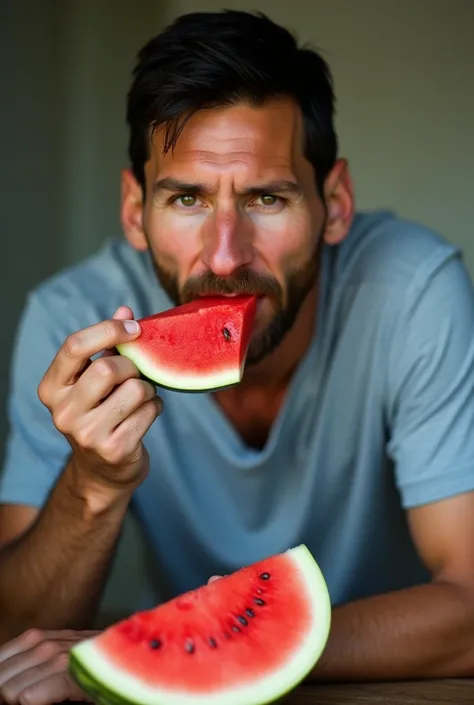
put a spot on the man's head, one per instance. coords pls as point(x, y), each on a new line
point(234, 181)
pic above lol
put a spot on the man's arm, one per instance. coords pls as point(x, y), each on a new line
point(425, 631)
point(15, 519)
point(51, 548)
point(52, 576)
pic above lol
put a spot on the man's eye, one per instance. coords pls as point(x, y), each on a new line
point(267, 200)
point(187, 200)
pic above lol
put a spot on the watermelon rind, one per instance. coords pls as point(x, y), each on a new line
point(180, 382)
point(108, 685)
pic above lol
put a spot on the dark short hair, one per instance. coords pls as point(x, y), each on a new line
point(209, 60)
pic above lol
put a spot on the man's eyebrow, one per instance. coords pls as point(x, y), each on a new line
point(277, 186)
point(173, 185)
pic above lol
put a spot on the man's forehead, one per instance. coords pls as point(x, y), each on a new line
point(268, 132)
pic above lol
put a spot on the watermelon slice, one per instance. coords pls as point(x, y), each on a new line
point(199, 346)
point(246, 639)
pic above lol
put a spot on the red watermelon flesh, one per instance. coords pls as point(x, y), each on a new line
point(198, 346)
point(245, 639)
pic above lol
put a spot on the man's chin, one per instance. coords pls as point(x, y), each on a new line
point(262, 345)
point(257, 353)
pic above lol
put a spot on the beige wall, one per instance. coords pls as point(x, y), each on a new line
point(404, 77)
point(63, 77)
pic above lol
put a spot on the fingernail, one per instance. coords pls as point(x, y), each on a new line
point(131, 327)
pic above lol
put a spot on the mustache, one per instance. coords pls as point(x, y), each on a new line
point(245, 282)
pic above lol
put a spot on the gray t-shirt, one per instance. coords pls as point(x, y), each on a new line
point(378, 418)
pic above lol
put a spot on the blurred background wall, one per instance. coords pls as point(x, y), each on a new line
point(404, 75)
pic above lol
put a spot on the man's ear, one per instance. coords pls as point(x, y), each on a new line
point(339, 197)
point(131, 210)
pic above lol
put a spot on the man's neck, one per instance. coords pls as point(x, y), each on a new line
point(253, 405)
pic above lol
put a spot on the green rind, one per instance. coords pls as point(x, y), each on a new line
point(198, 384)
point(100, 693)
point(185, 390)
point(103, 694)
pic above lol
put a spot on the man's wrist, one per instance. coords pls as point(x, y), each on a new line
point(94, 496)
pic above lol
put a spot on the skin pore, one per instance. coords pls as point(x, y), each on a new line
point(234, 207)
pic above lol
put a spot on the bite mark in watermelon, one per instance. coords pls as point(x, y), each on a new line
point(199, 346)
point(246, 639)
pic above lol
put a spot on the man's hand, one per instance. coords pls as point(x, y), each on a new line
point(33, 668)
point(99, 403)
point(102, 407)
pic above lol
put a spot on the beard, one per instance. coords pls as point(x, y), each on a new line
point(285, 302)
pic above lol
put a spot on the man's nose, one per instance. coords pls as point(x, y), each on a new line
point(227, 242)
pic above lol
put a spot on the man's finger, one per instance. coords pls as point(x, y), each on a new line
point(31, 638)
point(123, 313)
point(54, 689)
point(34, 657)
point(79, 347)
point(213, 578)
point(10, 691)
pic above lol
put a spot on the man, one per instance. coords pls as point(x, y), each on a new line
point(352, 430)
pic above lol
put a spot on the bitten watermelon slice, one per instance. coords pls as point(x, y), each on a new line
point(199, 346)
point(246, 639)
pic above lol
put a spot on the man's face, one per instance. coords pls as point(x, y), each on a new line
point(234, 209)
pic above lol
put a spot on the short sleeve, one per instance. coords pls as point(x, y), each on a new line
point(431, 386)
point(35, 451)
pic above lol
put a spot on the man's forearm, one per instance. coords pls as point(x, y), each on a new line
point(420, 632)
point(54, 575)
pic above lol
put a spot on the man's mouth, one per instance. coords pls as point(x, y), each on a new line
point(234, 293)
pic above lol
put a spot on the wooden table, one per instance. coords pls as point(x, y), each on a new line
point(443, 692)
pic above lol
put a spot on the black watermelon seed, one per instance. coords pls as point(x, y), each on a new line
point(226, 334)
point(264, 576)
point(226, 635)
point(189, 647)
point(249, 612)
point(235, 628)
point(212, 643)
point(242, 620)
point(155, 644)
point(258, 601)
